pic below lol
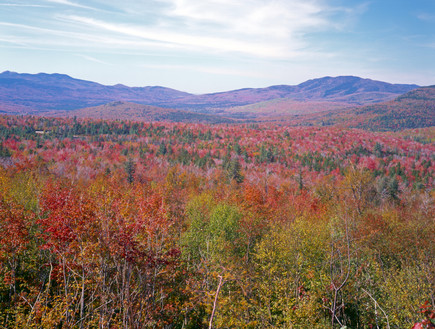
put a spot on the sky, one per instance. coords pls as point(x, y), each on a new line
point(203, 46)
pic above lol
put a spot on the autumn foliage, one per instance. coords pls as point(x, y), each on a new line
point(112, 224)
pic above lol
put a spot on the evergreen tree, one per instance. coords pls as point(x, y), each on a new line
point(130, 169)
point(234, 171)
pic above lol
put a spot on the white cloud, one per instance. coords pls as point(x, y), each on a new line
point(184, 40)
point(275, 18)
point(272, 29)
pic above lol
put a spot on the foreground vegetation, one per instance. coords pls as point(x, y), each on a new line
point(135, 225)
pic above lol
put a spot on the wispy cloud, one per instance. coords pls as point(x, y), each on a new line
point(279, 25)
point(249, 28)
point(184, 40)
point(27, 27)
point(51, 38)
point(38, 34)
point(205, 69)
point(255, 28)
point(92, 59)
point(22, 5)
point(279, 18)
point(426, 17)
point(70, 3)
point(12, 40)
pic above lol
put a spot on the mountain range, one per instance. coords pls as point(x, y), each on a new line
point(42, 92)
point(344, 101)
point(33, 93)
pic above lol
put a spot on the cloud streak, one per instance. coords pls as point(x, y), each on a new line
point(93, 59)
point(22, 5)
point(205, 69)
point(71, 4)
point(182, 40)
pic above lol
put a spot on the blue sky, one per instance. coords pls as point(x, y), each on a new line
point(204, 46)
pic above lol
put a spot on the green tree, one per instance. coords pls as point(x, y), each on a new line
point(234, 171)
point(130, 169)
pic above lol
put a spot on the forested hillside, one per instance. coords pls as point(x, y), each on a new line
point(139, 112)
point(118, 224)
point(415, 109)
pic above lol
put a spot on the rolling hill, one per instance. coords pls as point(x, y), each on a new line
point(277, 109)
point(138, 112)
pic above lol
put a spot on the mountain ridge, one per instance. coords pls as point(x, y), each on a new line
point(44, 92)
point(36, 93)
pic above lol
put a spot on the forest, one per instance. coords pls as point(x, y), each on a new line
point(120, 224)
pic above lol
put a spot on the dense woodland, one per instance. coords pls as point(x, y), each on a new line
point(112, 224)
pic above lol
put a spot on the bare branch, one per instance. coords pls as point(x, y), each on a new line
point(215, 300)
